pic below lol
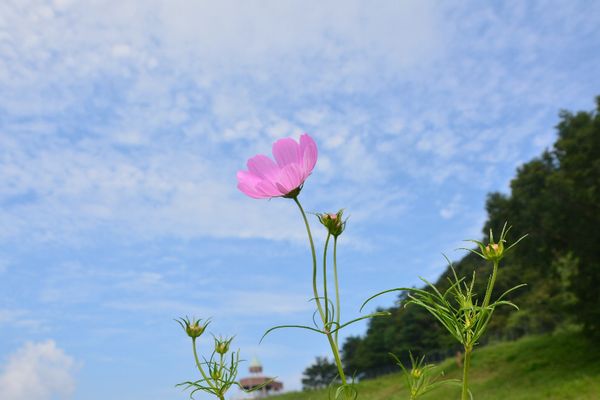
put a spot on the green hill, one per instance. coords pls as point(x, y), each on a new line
point(561, 367)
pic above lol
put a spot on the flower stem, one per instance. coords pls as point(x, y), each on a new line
point(223, 388)
point(200, 365)
point(337, 289)
point(332, 342)
point(314, 259)
point(488, 293)
point(465, 381)
point(326, 300)
point(336, 356)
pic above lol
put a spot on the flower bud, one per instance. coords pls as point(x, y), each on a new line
point(468, 322)
point(494, 251)
point(416, 373)
point(194, 327)
point(333, 222)
point(215, 374)
point(222, 346)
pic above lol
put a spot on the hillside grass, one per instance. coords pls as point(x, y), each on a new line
point(550, 367)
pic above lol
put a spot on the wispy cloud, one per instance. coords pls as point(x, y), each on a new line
point(101, 131)
point(137, 162)
point(21, 319)
point(452, 208)
point(228, 305)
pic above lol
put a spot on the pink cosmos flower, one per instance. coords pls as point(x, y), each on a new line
point(283, 177)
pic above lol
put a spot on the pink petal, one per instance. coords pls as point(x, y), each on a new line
point(268, 189)
point(248, 179)
point(250, 191)
point(247, 184)
point(289, 178)
point(309, 153)
point(286, 151)
point(293, 163)
point(263, 167)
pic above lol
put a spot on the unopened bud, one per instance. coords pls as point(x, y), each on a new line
point(194, 327)
point(494, 251)
point(215, 374)
point(222, 346)
point(333, 222)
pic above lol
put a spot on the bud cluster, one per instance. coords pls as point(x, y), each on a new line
point(217, 373)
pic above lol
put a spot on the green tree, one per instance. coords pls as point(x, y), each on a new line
point(351, 355)
point(577, 186)
point(320, 374)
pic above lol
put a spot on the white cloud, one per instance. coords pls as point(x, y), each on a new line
point(39, 371)
point(452, 208)
point(441, 143)
point(256, 35)
point(121, 50)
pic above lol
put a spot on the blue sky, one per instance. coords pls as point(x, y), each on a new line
point(122, 125)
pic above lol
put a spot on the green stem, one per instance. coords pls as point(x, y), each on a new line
point(221, 363)
point(332, 343)
point(336, 356)
point(223, 387)
point(488, 293)
point(314, 259)
point(337, 289)
point(200, 365)
point(465, 381)
point(326, 300)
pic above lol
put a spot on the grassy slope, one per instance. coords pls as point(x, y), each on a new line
point(559, 367)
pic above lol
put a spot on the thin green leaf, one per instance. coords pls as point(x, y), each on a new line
point(381, 293)
point(289, 326)
point(375, 314)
